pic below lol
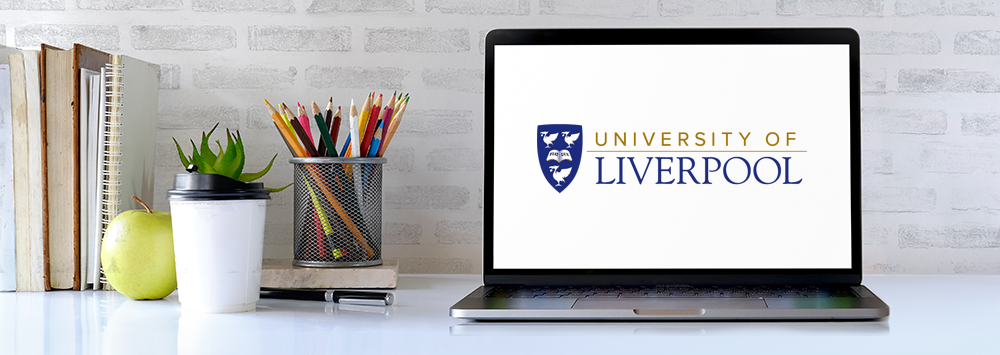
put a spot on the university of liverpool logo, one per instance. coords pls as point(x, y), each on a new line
point(559, 152)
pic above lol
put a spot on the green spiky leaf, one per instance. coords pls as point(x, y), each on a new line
point(248, 177)
point(206, 150)
point(213, 129)
point(278, 189)
point(196, 159)
point(230, 161)
point(240, 155)
point(180, 153)
point(227, 162)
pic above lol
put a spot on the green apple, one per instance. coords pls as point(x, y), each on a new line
point(138, 254)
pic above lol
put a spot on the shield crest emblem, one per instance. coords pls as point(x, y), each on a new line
point(560, 149)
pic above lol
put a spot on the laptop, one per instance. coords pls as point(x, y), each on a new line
point(672, 174)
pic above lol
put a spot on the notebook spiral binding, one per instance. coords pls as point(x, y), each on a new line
point(111, 136)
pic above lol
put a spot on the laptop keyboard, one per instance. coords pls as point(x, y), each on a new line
point(672, 291)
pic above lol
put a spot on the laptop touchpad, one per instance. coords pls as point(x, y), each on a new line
point(670, 303)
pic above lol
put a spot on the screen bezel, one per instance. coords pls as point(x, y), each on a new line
point(657, 36)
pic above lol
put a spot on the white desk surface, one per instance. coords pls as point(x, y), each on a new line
point(929, 315)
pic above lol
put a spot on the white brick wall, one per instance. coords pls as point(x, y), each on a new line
point(930, 78)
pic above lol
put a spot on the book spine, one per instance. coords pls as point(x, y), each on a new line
point(8, 264)
point(111, 148)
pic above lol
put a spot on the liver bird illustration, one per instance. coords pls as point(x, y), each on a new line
point(570, 138)
point(559, 175)
point(549, 138)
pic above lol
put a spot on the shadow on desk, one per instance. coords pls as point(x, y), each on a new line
point(682, 329)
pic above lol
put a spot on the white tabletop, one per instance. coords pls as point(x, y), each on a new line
point(930, 314)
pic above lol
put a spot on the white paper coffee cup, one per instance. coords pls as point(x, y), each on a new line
point(218, 232)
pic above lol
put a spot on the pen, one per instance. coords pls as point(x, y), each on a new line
point(347, 297)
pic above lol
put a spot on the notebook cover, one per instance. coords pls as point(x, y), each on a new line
point(140, 102)
point(136, 112)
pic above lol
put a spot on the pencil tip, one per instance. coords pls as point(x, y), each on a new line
point(331, 98)
point(266, 103)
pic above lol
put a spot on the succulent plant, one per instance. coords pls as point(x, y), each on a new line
point(228, 162)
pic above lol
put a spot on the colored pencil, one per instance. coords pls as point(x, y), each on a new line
point(305, 122)
point(371, 132)
point(370, 127)
point(299, 151)
point(399, 102)
point(290, 150)
point(324, 132)
point(310, 150)
point(329, 120)
point(321, 148)
point(335, 129)
point(387, 116)
point(351, 132)
point(283, 109)
point(363, 118)
point(402, 108)
point(285, 132)
point(344, 216)
point(391, 131)
point(356, 145)
point(324, 221)
point(373, 152)
point(347, 147)
point(291, 117)
point(288, 115)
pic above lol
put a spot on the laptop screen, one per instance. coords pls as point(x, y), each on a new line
point(672, 157)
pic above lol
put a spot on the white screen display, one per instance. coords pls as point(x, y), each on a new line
point(743, 152)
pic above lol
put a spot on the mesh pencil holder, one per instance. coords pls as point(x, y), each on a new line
point(338, 212)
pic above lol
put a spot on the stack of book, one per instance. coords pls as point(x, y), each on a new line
point(78, 133)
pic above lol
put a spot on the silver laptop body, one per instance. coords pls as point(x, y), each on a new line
point(672, 174)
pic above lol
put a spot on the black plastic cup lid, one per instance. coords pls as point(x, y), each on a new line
point(200, 187)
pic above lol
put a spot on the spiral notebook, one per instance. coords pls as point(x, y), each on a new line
point(126, 147)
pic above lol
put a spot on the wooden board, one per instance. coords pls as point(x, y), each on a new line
point(279, 273)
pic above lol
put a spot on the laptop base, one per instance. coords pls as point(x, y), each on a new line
point(479, 306)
